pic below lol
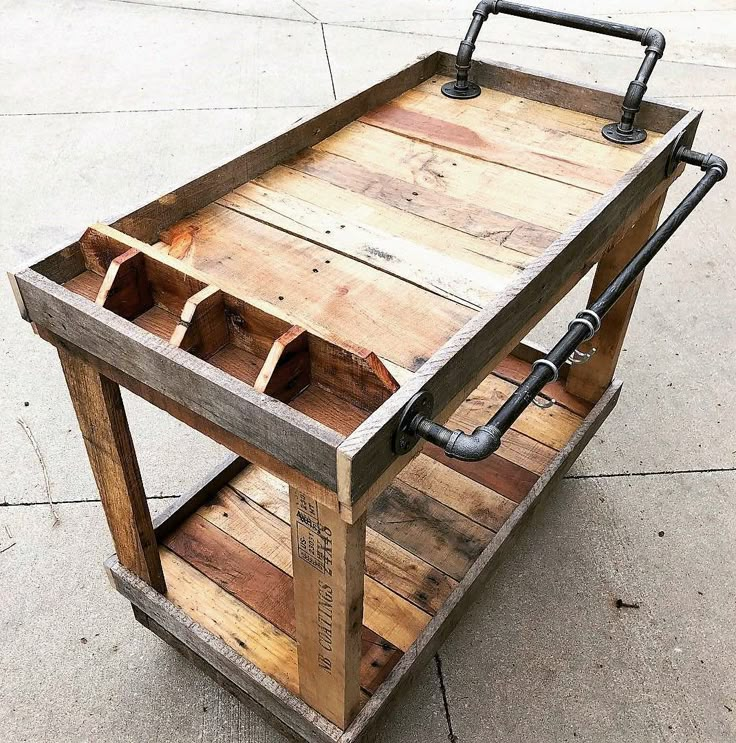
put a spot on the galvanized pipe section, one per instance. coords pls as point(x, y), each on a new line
point(487, 438)
point(623, 131)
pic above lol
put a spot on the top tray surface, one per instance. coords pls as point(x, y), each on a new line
point(433, 233)
point(392, 232)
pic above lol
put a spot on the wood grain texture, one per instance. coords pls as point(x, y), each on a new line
point(276, 702)
point(589, 380)
point(432, 531)
point(457, 368)
point(283, 433)
point(511, 110)
point(187, 503)
point(476, 578)
point(202, 328)
point(327, 560)
point(514, 193)
point(286, 371)
point(539, 148)
point(111, 453)
point(266, 589)
point(190, 418)
point(400, 591)
point(207, 643)
point(447, 262)
point(315, 287)
point(487, 231)
point(266, 714)
point(87, 284)
point(147, 222)
point(125, 289)
point(547, 87)
point(243, 629)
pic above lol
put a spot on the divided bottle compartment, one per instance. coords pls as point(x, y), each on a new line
point(334, 383)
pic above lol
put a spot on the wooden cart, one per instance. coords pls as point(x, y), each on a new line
point(288, 304)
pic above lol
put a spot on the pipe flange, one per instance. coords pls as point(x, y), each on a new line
point(451, 91)
point(421, 404)
point(674, 159)
point(612, 134)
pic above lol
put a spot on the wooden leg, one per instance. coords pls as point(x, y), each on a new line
point(104, 427)
point(591, 379)
point(328, 556)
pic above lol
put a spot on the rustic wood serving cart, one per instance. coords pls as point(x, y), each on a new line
point(289, 304)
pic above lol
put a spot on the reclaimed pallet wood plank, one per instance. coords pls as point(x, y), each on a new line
point(104, 425)
point(314, 286)
point(537, 149)
point(515, 193)
point(495, 330)
point(429, 529)
point(264, 588)
point(387, 611)
point(378, 189)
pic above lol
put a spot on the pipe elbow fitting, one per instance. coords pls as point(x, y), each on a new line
point(485, 8)
point(714, 162)
point(475, 446)
point(654, 41)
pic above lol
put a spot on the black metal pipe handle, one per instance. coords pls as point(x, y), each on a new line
point(416, 423)
point(624, 131)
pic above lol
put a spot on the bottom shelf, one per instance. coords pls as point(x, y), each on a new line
point(431, 538)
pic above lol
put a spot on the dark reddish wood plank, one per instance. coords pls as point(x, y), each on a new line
point(506, 478)
point(264, 588)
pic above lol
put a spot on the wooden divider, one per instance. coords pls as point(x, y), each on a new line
point(281, 360)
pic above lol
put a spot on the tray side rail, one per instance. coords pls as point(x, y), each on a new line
point(486, 439)
point(366, 460)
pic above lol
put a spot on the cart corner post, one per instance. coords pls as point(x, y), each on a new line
point(328, 557)
point(104, 426)
point(590, 380)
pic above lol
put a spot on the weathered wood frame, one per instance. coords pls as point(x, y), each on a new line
point(340, 472)
point(281, 708)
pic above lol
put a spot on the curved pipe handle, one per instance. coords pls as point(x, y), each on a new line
point(622, 132)
point(416, 423)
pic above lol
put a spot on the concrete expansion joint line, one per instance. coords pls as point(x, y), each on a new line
point(82, 500)
point(329, 64)
point(451, 737)
point(653, 473)
point(152, 4)
point(526, 46)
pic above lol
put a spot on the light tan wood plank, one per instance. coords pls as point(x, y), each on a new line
point(376, 189)
point(245, 631)
point(534, 148)
point(86, 284)
point(517, 194)
point(590, 380)
point(202, 329)
point(158, 321)
point(552, 427)
point(457, 275)
point(316, 287)
point(510, 110)
point(385, 612)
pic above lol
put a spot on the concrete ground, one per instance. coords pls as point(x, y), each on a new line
point(106, 104)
